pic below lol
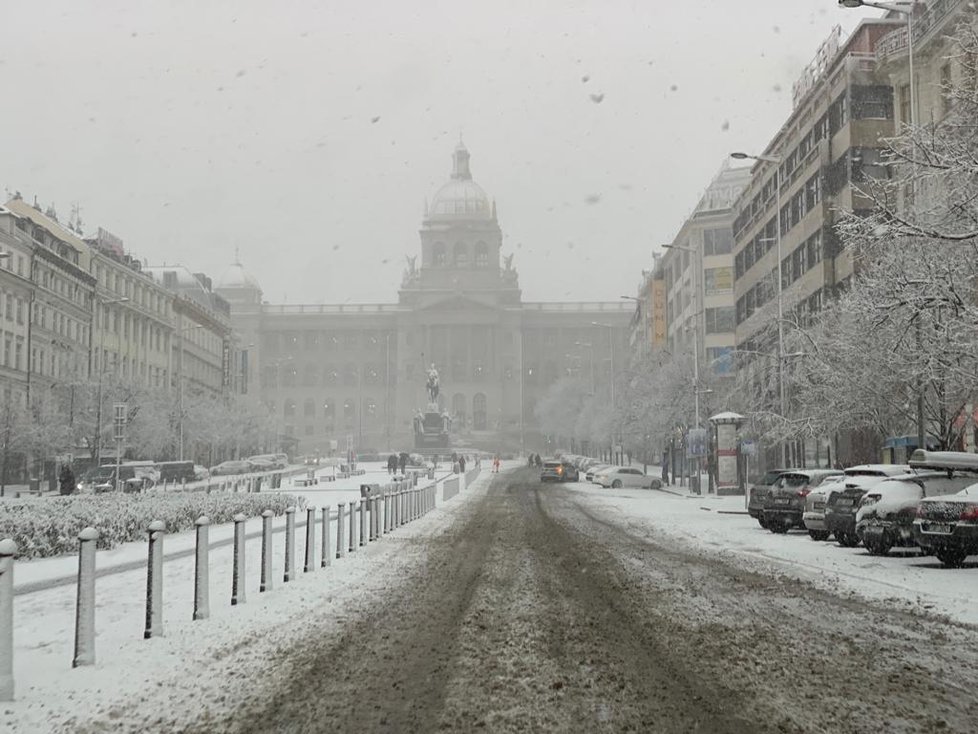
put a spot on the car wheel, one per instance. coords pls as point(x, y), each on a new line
point(847, 540)
point(762, 522)
point(951, 557)
point(616, 484)
point(777, 526)
point(818, 534)
point(656, 484)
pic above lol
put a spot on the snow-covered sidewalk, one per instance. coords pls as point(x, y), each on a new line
point(717, 527)
point(48, 690)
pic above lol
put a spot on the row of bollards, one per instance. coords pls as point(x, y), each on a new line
point(368, 520)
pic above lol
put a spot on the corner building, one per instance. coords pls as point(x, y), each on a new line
point(339, 376)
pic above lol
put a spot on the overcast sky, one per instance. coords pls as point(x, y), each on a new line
point(308, 135)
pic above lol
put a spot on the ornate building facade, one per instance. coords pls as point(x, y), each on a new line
point(339, 376)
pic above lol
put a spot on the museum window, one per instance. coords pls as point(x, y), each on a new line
point(369, 411)
point(479, 412)
point(288, 376)
point(349, 412)
point(481, 255)
point(289, 411)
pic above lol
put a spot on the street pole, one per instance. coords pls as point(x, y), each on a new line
point(522, 406)
point(777, 223)
point(387, 377)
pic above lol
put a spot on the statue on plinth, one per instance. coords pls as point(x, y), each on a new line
point(432, 384)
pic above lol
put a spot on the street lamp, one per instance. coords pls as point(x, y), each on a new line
point(905, 9)
point(776, 161)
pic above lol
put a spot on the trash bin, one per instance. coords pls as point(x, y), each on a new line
point(34, 485)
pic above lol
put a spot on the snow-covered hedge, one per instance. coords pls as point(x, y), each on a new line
point(44, 526)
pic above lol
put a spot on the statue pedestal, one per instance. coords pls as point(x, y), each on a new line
point(432, 408)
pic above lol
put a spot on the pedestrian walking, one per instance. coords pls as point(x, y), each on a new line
point(495, 464)
point(392, 463)
point(461, 464)
point(402, 463)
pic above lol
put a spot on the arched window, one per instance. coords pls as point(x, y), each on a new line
point(288, 375)
point(479, 412)
point(329, 413)
point(309, 408)
point(481, 255)
point(349, 412)
point(438, 254)
point(461, 255)
point(290, 408)
point(458, 409)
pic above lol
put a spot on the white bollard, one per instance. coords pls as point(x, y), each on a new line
point(202, 605)
point(339, 529)
point(8, 549)
point(310, 540)
point(266, 551)
point(326, 559)
point(154, 580)
point(289, 544)
point(85, 603)
point(238, 567)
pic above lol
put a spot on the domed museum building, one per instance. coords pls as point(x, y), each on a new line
point(339, 377)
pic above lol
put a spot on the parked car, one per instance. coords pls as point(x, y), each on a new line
point(596, 469)
point(814, 515)
point(226, 468)
point(559, 471)
point(947, 525)
point(887, 511)
point(176, 471)
point(841, 506)
point(201, 472)
point(785, 503)
point(625, 476)
point(758, 494)
point(262, 465)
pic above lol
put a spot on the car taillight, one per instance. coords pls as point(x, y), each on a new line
point(560, 470)
point(970, 512)
point(804, 492)
point(921, 511)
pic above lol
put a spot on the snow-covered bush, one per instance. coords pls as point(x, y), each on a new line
point(49, 526)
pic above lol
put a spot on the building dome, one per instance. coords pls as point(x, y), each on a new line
point(461, 197)
point(235, 276)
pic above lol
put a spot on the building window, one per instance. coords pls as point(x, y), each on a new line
point(717, 241)
point(349, 412)
point(481, 255)
point(438, 254)
point(479, 412)
point(329, 413)
point(719, 320)
point(458, 410)
point(289, 410)
point(369, 411)
point(905, 104)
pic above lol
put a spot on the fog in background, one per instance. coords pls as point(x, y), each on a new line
point(309, 134)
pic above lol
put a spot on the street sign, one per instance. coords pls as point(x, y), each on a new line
point(748, 448)
point(696, 443)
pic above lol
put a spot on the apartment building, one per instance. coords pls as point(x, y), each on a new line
point(811, 169)
point(695, 277)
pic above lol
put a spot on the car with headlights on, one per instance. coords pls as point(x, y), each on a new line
point(559, 471)
point(814, 514)
point(593, 471)
point(841, 506)
point(785, 504)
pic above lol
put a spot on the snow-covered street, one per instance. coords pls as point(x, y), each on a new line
point(519, 606)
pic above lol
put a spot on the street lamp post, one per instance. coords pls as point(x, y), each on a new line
point(905, 9)
point(775, 160)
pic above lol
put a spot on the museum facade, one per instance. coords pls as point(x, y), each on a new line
point(334, 377)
